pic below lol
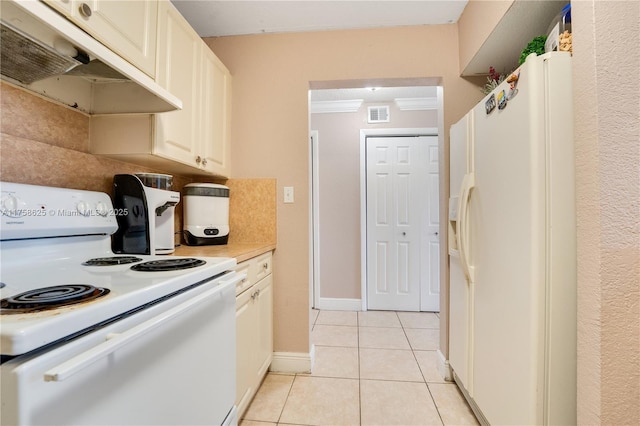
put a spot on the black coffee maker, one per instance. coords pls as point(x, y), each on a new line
point(146, 208)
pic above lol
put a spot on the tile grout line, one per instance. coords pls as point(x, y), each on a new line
point(434, 403)
point(285, 400)
point(315, 320)
point(413, 352)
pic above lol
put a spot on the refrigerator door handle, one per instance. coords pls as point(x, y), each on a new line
point(468, 183)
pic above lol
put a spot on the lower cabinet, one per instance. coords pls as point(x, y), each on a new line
point(254, 328)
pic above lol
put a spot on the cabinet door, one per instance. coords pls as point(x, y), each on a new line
point(176, 132)
point(245, 351)
point(264, 308)
point(63, 6)
point(126, 27)
point(216, 114)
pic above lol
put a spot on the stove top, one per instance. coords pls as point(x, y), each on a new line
point(124, 289)
point(52, 257)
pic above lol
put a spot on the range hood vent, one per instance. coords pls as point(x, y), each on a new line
point(27, 60)
point(45, 53)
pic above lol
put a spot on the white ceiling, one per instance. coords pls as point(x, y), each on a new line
point(224, 18)
point(239, 17)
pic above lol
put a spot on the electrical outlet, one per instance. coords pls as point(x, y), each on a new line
point(288, 194)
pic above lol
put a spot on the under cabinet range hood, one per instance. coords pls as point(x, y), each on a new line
point(45, 53)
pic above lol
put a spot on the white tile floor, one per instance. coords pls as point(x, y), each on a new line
point(371, 368)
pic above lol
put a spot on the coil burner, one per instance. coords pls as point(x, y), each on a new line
point(110, 261)
point(51, 298)
point(168, 264)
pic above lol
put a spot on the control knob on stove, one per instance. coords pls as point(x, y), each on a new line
point(83, 208)
point(10, 202)
point(12, 206)
point(102, 209)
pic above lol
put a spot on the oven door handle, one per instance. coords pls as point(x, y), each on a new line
point(118, 340)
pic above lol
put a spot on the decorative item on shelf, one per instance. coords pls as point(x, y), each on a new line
point(513, 83)
point(535, 46)
point(565, 42)
point(493, 80)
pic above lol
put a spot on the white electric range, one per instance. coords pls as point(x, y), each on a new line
point(90, 337)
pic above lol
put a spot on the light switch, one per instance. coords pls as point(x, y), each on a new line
point(288, 194)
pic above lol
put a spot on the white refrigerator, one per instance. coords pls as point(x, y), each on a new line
point(512, 249)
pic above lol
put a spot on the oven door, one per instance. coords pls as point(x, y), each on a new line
point(170, 364)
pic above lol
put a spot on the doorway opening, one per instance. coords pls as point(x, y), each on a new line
point(339, 128)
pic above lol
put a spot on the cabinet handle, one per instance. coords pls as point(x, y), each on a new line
point(204, 161)
point(265, 266)
point(198, 159)
point(85, 10)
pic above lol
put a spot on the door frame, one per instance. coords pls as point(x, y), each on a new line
point(314, 207)
point(364, 133)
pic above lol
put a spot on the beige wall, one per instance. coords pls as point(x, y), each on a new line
point(476, 23)
point(270, 125)
point(607, 135)
point(339, 191)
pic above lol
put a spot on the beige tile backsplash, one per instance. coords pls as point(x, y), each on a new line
point(44, 143)
point(252, 210)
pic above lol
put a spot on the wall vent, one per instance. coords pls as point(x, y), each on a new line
point(378, 114)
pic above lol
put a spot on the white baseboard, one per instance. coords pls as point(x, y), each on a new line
point(332, 304)
point(292, 362)
point(444, 368)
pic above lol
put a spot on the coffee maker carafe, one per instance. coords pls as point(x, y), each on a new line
point(144, 207)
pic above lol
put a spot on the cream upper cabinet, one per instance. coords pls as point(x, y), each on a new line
point(198, 135)
point(194, 140)
point(177, 133)
point(216, 114)
point(129, 28)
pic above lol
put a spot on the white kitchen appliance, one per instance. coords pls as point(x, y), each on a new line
point(148, 225)
point(512, 247)
point(92, 338)
point(206, 214)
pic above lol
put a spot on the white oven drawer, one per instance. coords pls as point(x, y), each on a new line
point(179, 354)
